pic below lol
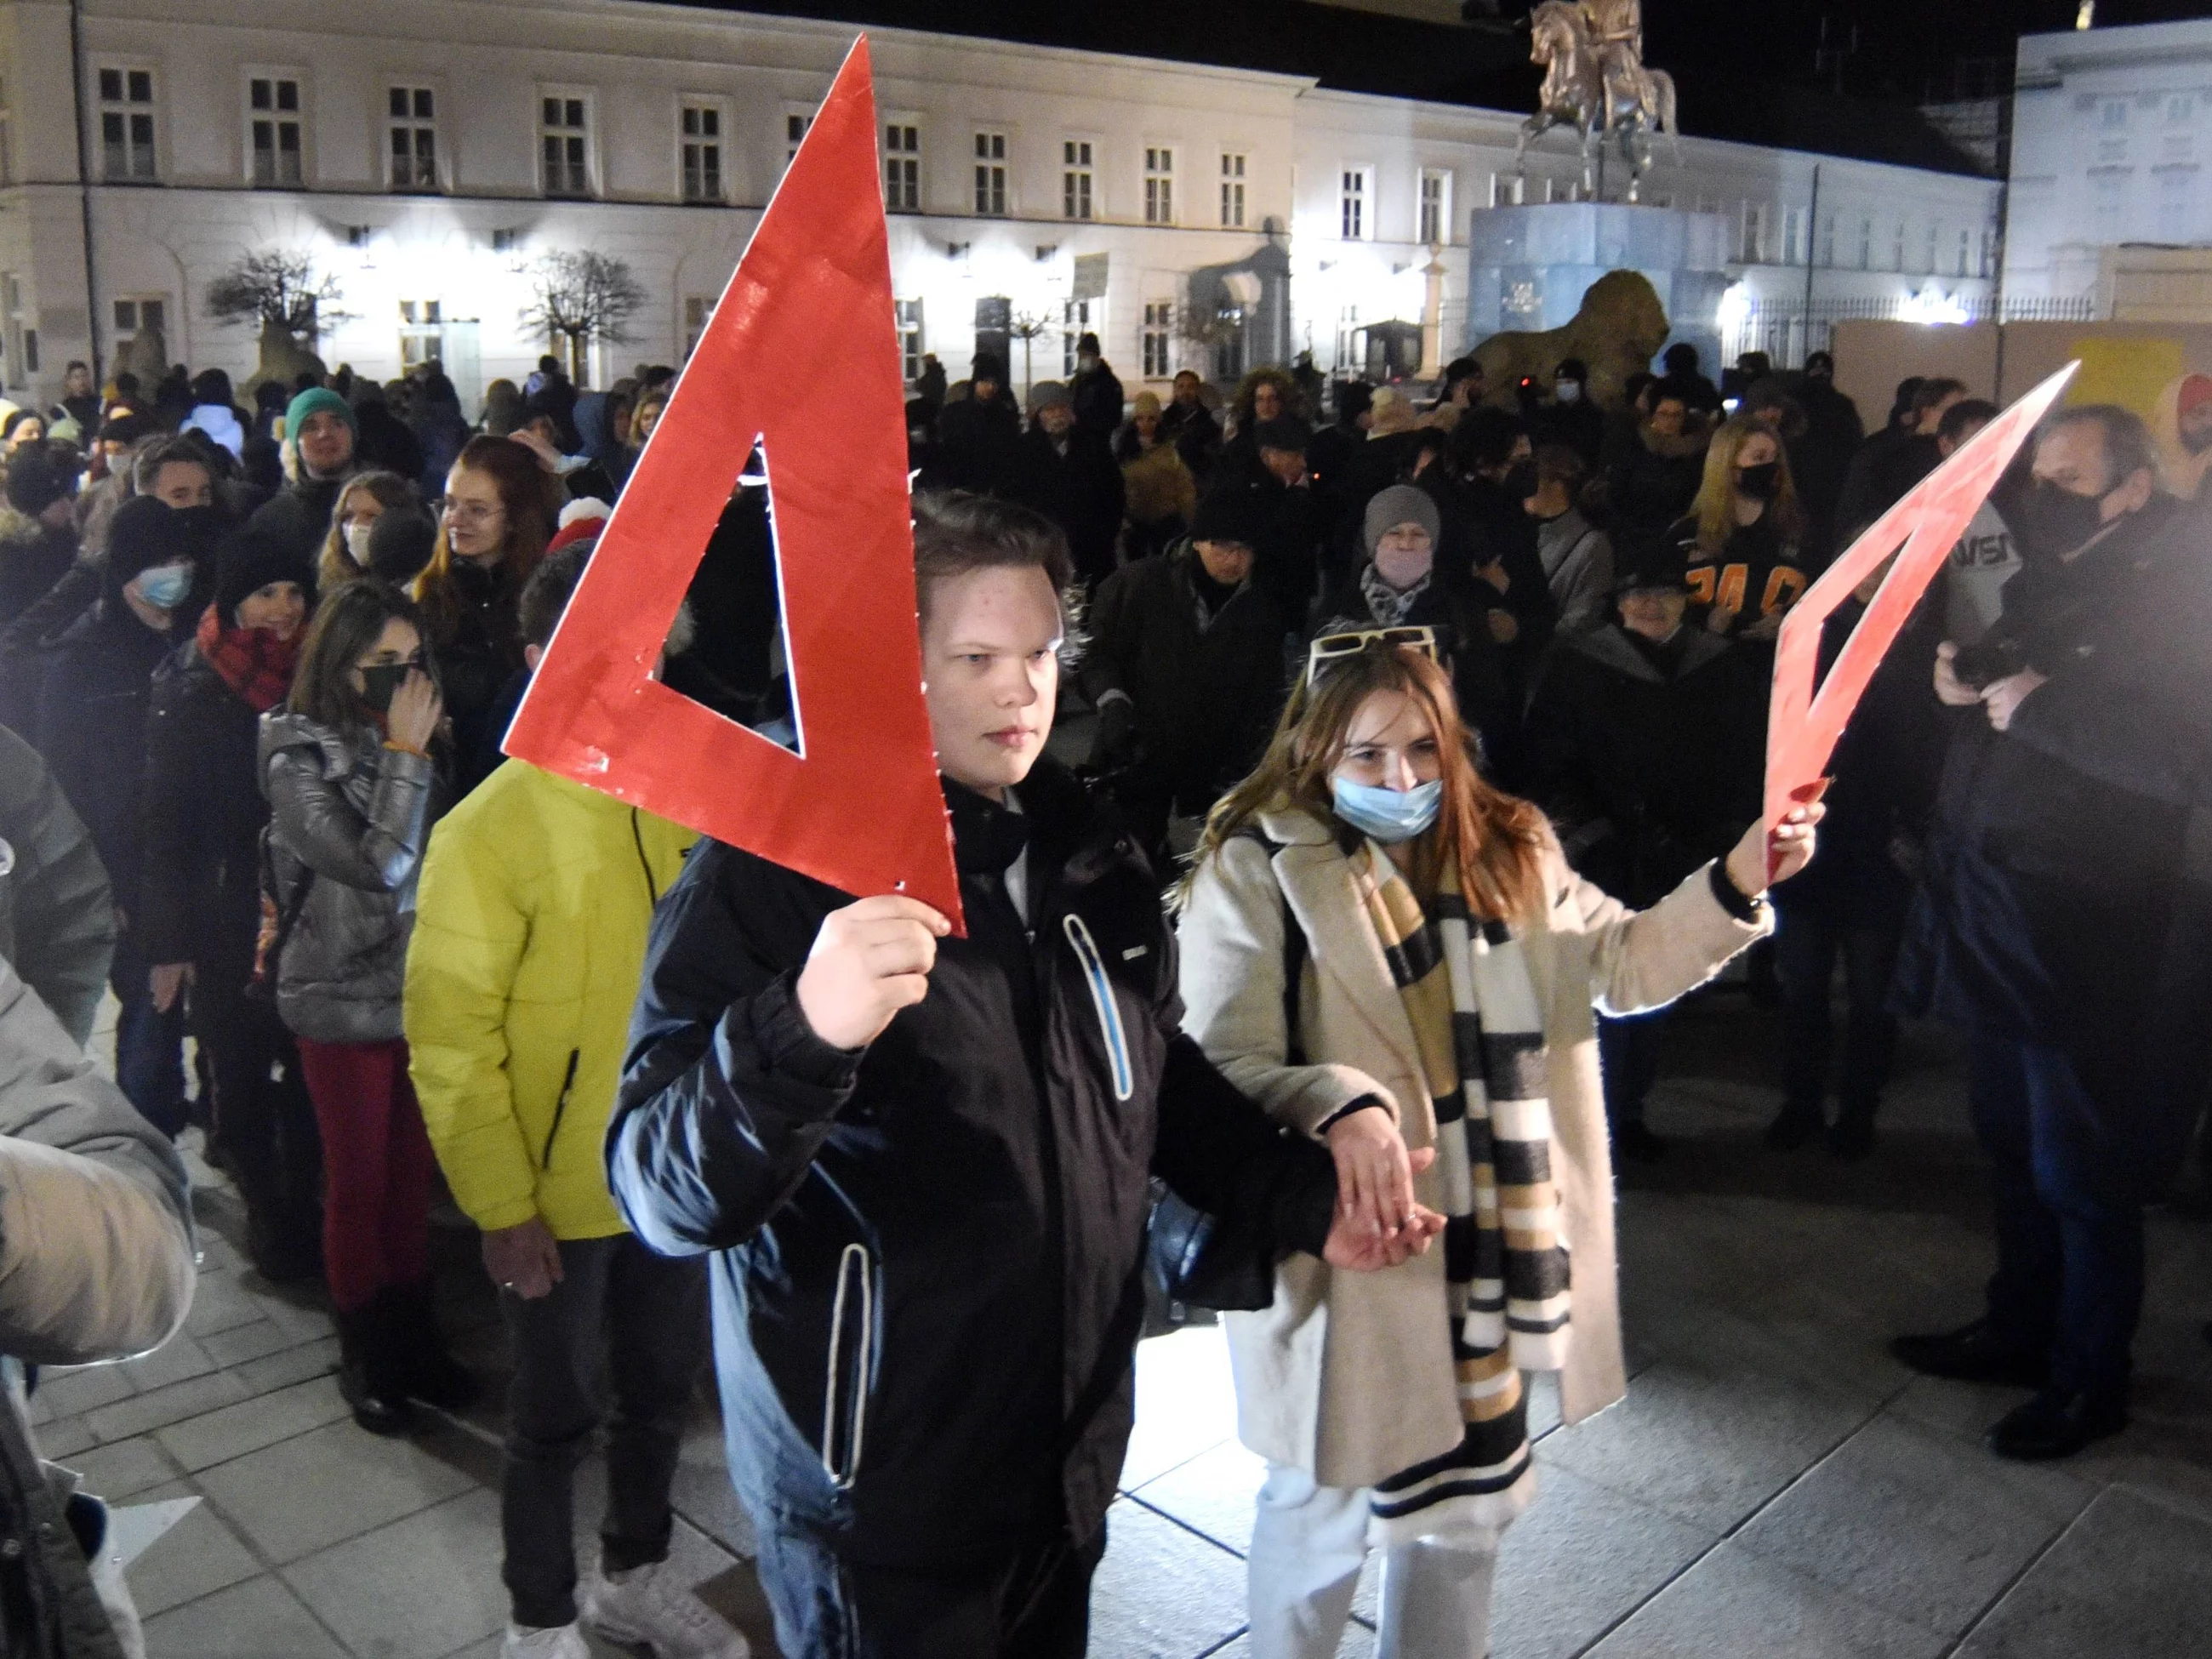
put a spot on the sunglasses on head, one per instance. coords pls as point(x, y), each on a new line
point(1330, 649)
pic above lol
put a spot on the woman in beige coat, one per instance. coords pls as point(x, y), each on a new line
point(1391, 956)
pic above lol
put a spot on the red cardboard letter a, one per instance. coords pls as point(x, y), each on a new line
point(801, 357)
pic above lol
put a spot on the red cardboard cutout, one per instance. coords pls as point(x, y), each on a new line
point(801, 357)
point(1802, 729)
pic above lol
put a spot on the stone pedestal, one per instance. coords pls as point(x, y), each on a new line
point(1528, 267)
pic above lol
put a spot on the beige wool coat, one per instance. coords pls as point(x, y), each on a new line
point(1347, 1376)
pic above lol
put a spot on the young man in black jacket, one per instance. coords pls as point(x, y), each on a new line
point(922, 1162)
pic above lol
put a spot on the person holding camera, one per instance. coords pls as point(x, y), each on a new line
point(2058, 923)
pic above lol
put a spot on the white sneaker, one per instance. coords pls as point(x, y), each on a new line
point(549, 1642)
point(651, 1607)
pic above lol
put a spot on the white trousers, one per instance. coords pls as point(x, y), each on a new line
point(1308, 1544)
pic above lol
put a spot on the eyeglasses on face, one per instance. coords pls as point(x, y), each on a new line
point(1330, 649)
point(466, 513)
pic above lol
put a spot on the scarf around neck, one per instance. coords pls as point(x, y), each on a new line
point(1467, 989)
point(252, 661)
point(1390, 605)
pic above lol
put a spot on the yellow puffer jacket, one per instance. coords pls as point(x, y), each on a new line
point(529, 933)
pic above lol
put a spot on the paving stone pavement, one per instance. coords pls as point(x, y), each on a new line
point(1774, 1484)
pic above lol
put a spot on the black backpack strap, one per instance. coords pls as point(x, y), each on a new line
point(1294, 951)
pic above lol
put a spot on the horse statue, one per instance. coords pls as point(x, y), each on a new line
point(1595, 81)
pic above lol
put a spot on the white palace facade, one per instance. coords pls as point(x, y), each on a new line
point(424, 153)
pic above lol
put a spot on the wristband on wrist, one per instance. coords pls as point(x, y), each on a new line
point(1362, 1104)
point(1743, 906)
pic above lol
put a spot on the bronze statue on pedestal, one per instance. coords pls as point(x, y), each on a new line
point(1595, 81)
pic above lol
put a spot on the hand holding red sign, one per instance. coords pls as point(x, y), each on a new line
point(1802, 729)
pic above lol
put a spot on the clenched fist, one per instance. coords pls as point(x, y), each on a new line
point(870, 960)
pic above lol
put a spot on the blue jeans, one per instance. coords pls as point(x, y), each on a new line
point(2070, 1192)
point(1628, 1058)
point(150, 1053)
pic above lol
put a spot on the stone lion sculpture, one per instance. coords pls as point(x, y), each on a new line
point(1619, 329)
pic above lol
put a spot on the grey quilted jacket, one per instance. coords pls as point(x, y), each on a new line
point(356, 816)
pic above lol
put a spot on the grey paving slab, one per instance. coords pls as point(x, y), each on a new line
point(220, 1303)
point(313, 1358)
point(143, 1413)
point(64, 1440)
point(1707, 1445)
point(195, 1558)
point(2130, 1576)
point(117, 1470)
point(240, 1343)
point(178, 1359)
point(702, 1493)
point(200, 1442)
point(1918, 1522)
point(1358, 1643)
point(293, 1312)
point(259, 1618)
point(1162, 1592)
point(1735, 1605)
point(1215, 1493)
point(316, 1489)
point(418, 1589)
point(70, 1391)
point(1581, 1558)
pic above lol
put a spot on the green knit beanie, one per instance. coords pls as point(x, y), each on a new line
point(317, 400)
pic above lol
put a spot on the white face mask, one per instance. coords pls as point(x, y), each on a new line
point(1568, 392)
point(356, 540)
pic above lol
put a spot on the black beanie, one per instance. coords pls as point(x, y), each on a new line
point(249, 561)
point(146, 533)
point(35, 480)
point(1231, 513)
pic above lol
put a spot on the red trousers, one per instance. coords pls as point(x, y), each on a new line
point(377, 1168)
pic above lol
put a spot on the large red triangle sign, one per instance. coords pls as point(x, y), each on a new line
point(801, 357)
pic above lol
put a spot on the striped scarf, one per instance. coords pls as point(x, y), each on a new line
point(1468, 990)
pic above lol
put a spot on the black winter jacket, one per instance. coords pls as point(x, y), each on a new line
point(300, 514)
point(928, 1279)
point(199, 894)
point(1080, 491)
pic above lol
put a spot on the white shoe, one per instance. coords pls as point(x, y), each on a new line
point(549, 1642)
point(651, 1607)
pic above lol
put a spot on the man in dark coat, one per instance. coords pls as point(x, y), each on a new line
point(922, 1163)
point(1187, 425)
point(1185, 668)
point(1095, 391)
point(978, 436)
point(1067, 472)
point(1894, 459)
point(37, 549)
point(1571, 418)
point(1833, 433)
point(1646, 747)
point(91, 727)
point(2064, 922)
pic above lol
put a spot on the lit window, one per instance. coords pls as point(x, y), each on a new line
point(412, 114)
point(273, 130)
point(1159, 335)
point(902, 167)
point(1232, 191)
point(564, 144)
point(126, 124)
point(1075, 322)
point(1352, 205)
point(422, 333)
point(702, 141)
point(990, 175)
point(1435, 207)
point(1075, 179)
point(907, 315)
point(1159, 186)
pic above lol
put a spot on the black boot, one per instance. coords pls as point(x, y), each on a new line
point(367, 1375)
point(1797, 1123)
point(429, 1369)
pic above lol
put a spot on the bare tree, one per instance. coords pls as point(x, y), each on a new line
point(1028, 327)
point(278, 289)
point(579, 297)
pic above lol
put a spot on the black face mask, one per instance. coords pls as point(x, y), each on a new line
point(380, 684)
point(2056, 521)
point(1520, 483)
point(1761, 483)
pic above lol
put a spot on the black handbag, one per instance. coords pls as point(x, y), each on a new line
point(1199, 1260)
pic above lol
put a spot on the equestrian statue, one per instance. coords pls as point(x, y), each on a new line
point(1596, 82)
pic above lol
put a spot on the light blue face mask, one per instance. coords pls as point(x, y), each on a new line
point(1389, 815)
point(164, 586)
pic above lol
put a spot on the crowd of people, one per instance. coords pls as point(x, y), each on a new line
point(1443, 715)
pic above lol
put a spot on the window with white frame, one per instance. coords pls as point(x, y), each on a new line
point(1351, 222)
point(1752, 250)
point(990, 175)
point(794, 134)
point(564, 143)
point(698, 311)
point(1434, 207)
point(273, 130)
point(1794, 227)
point(1989, 253)
point(126, 124)
point(1075, 321)
point(1233, 163)
point(1828, 240)
point(1965, 250)
point(907, 314)
point(700, 141)
point(1075, 179)
point(411, 113)
point(421, 332)
point(1866, 244)
point(902, 167)
point(133, 312)
point(1159, 185)
point(1159, 339)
